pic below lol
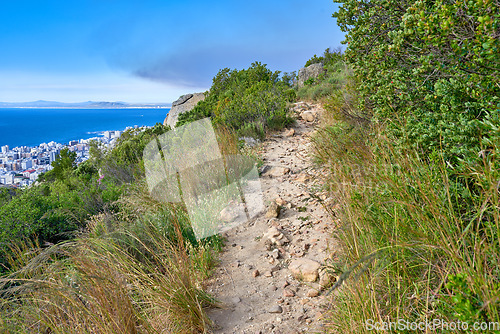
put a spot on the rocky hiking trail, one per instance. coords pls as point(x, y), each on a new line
point(272, 274)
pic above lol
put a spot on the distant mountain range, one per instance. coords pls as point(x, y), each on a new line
point(82, 105)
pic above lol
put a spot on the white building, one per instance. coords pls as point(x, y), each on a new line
point(28, 163)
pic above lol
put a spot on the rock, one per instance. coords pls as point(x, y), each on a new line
point(255, 273)
point(268, 273)
point(307, 116)
point(280, 201)
point(288, 293)
point(278, 171)
point(326, 279)
point(181, 100)
point(276, 309)
point(249, 141)
point(304, 269)
point(289, 133)
point(181, 105)
point(272, 232)
point(236, 300)
point(312, 293)
point(275, 254)
point(311, 71)
point(273, 210)
point(302, 178)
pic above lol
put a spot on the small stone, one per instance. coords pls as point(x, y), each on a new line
point(326, 279)
point(272, 232)
point(278, 171)
point(236, 300)
point(302, 178)
point(276, 309)
point(288, 293)
point(275, 254)
point(289, 133)
point(255, 273)
point(307, 116)
point(273, 210)
point(227, 215)
point(280, 201)
point(312, 293)
point(268, 273)
point(286, 284)
point(304, 269)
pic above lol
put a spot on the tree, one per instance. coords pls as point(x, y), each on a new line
point(62, 166)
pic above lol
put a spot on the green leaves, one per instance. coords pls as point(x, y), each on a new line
point(248, 101)
point(427, 69)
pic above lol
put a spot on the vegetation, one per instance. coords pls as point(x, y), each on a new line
point(88, 249)
point(429, 70)
point(248, 101)
point(410, 136)
point(318, 89)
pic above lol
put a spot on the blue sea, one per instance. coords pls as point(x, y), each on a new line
point(31, 127)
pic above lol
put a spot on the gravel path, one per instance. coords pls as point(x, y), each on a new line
point(271, 276)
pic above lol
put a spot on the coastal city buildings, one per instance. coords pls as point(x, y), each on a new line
point(21, 166)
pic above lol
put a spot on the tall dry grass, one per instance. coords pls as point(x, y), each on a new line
point(99, 284)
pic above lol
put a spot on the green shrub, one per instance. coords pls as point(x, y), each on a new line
point(329, 57)
point(248, 101)
point(319, 89)
point(429, 70)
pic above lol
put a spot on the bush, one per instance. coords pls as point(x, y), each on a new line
point(248, 101)
point(319, 89)
point(429, 70)
point(328, 58)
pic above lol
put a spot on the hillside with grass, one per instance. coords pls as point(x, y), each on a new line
point(410, 137)
point(89, 250)
point(407, 145)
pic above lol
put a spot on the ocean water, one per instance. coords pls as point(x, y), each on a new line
point(31, 127)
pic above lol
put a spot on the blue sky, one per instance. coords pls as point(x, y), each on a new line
point(150, 50)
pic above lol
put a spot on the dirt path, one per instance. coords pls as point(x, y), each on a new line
point(261, 276)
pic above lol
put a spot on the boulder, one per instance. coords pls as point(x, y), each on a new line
point(181, 105)
point(311, 71)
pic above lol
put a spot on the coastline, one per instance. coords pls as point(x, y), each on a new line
point(21, 165)
point(33, 126)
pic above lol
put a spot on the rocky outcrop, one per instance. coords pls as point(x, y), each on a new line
point(311, 71)
point(182, 104)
